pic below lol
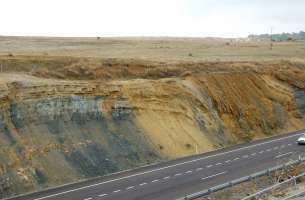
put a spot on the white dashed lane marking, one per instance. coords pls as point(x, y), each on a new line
point(209, 166)
point(143, 184)
point(253, 154)
point(285, 154)
point(129, 188)
point(102, 195)
point(156, 180)
point(236, 158)
point(261, 152)
point(227, 161)
point(199, 169)
point(116, 191)
point(178, 174)
point(88, 198)
point(188, 172)
point(213, 175)
point(218, 164)
point(166, 177)
point(245, 156)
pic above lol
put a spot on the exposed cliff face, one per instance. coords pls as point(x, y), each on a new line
point(55, 131)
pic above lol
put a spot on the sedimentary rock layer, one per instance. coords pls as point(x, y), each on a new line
point(57, 131)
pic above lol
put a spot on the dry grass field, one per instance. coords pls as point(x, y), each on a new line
point(153, 49)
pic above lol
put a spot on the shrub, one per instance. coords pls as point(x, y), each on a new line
point(188, 146)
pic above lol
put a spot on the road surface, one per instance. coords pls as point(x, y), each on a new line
point(174, 179)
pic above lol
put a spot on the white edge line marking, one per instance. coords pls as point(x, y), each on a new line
point(214, 175)
point(169, 166)
point(285, 154)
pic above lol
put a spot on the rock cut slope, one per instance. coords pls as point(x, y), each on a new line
point(58, 129)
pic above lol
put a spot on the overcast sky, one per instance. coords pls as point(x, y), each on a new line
point(193, 18)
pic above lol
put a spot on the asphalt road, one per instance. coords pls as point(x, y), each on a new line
point(174, 179)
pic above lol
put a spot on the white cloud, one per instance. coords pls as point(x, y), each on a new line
point(148, 17)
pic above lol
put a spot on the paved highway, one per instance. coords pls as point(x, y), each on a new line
point(176, 178)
